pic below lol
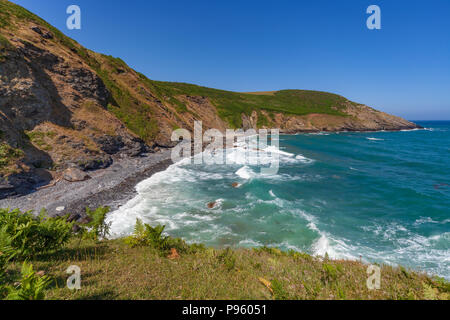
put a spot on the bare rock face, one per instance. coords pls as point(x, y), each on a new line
point(74, 175)
point(88, 85)
point(110, 144)
point(250, 122)
point(127, 145)
point(93, 162)
point(44, 34)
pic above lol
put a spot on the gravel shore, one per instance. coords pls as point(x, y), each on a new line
point(111, 187)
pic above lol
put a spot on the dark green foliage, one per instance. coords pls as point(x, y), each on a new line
point(147, 236)
point(262, 120)
point(30, 287)
point(29, 235)
point(330, 272)
point(228, 259)
point(97, 228)
point(6, 255)
point(279, 293)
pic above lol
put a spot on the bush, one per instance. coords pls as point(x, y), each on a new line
point(330, 272)
point(97, 228)
point(29, 235)
point(228, 259)
point(31, 286)
point(146, 235)
point(6, 255)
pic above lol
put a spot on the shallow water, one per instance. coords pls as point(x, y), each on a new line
point(384, 196)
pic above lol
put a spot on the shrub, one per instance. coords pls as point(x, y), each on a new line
point(97, 228)
point(6, 255)
point(330, 272)
point(146, 235)
point(228, 259)
point(6, 251)
point(29, 235)
point(31, 286)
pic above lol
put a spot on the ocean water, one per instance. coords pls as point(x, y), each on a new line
point(380, 196)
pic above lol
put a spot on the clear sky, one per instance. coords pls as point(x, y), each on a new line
point(247, 45)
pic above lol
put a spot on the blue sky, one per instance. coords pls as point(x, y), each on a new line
point(246, 45)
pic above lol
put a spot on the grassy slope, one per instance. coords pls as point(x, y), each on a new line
point(230, 105)
point(112, 270)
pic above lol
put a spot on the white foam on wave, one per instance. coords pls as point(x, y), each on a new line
point(250, 243)
point(375, 139)
point(431, 253)
point(273, 149)
point(245, 154)
point(244, 173)
point(318, 134)
point(424, 220)
point(303, 159)
point(415, 129)
point(322, 247)
point(325, 244)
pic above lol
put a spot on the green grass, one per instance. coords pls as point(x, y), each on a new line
point(39, 138)
point(5, 46)
point(231, 105)
point(152, 265)
point(114, 270)
point(8, 156)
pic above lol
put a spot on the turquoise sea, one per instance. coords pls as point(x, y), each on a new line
point(380, 196)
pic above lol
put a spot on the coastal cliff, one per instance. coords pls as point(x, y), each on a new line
point(62, 105)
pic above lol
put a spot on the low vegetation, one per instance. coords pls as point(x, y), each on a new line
point(5, 46)
point(152, 265)
point(231, 105)
point(8, 157)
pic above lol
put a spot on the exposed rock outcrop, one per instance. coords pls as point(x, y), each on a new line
point(75, 175)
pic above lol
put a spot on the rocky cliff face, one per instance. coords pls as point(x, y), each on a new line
point(53, 108)
point(62, 106)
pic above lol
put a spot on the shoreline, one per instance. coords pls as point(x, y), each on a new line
point(113, 186)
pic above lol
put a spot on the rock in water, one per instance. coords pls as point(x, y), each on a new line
point(74, 175)
point(211, 205)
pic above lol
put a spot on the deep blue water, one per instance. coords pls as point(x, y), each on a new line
point(382, 196)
